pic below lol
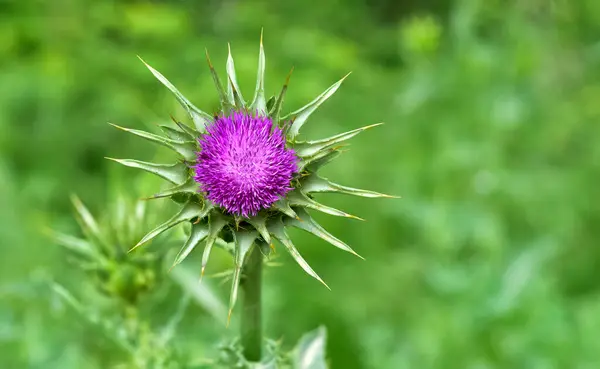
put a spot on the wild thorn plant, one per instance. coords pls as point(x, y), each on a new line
point(115, 286)
point(243, 175)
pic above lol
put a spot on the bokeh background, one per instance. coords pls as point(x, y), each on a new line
point(490, 258)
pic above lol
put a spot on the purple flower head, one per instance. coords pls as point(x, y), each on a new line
point(243, 165)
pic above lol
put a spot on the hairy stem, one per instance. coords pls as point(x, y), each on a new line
point(251, 306)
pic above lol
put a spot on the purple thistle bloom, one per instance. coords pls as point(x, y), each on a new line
point(243, 165)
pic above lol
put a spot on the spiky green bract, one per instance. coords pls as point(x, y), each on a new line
point(102, 252)
point(211, 222)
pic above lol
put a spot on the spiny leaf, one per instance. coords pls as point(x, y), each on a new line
point(232, 87)
point(270, 103)
point(175, 134)
point(310, 351)
point(75, 244)
point(283, 206)
point(276, 110)
point(216, 222)
point(88, 224)
point(174, 173)
point(258, 102)
point(314, 163)
point(277, 229)
point(189, 211)
point(314, 183)
point(186, 149)
point(222, 96)
point(301, 115)
point(200, 118)
point(310, 148)
point(198, 233)
point(259, 222)
point(203, 294)
point(190, 186)
point(244, 242)
point(310, 225)
point(297, 198)
point(185, 128)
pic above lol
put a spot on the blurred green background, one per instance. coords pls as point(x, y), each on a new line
point(489, 259)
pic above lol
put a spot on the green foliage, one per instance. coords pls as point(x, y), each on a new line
point(488, 260)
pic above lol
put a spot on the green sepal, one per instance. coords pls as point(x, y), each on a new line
point(189, 211)
point(314, 183)
point(77, 245)
point(233, 90)
point(186, 149)
point(175, 134)
point(174, 173)
point(315, 162)
point(259, 222)
point(297, 198)
point(310, 225)
point(200, 118)
point(89, 226)
point(189, 186)
point(270, 103)
point(258, 103)
point(216, 222)
point(187, 129)
point(309, 148)
point(309, 353)
point(300, 116)
point(275, 111)
point(283, 206)
point(222, 95)
point(244, 243)
point(277, 230)
point(197, 234)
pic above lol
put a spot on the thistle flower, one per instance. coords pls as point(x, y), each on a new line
point(245, 173)
point(243, 165)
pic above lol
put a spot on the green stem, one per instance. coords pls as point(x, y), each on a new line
point(251, 306)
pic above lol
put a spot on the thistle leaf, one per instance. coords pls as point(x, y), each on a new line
point(233, 90)
point(198, 233)
point(270, 103)
point(259, 222)
point(314, 163)
point(189, 211)
point(186, 149)
point(187, 129)
point(87, 221)
point(301, 115)
point(200, 118)
point(75, 244)
point(222, 96)
point(314, 183)
point(297, 198)
point(277, 229)
point(310, 225)
point(175, 134)
point(244, 243)
point(310, 351)
point(309, 148)
point(190, 186)
point(88, 224)
point(276, 109)
point(216, 222)
point(258, 103)
point(174, 173)
point(283, 206)
point(203, 294)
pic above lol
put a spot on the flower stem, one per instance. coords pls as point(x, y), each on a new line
point(251, 306)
